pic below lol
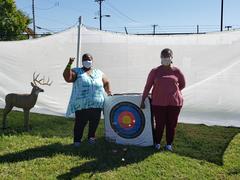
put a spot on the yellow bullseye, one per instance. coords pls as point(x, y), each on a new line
point(126, 120)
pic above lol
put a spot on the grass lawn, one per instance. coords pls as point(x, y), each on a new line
point(201, 152)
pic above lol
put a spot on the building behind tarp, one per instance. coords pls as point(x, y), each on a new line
point(210, 63)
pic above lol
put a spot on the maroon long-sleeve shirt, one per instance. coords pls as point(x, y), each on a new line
point(167, 83)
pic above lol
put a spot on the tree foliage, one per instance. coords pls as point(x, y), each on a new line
point(13, 22)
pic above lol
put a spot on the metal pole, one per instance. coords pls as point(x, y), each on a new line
point(79, 40)
point(126, 30)
point(197, 29)
point(154, 28)
point(33, 13)
point(100, 14)
point(222, 16)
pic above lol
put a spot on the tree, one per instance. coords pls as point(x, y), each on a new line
point(13, 22)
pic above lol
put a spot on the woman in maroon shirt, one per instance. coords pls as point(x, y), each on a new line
point(167, 82)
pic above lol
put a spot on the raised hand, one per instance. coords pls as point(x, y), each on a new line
point(71, 59)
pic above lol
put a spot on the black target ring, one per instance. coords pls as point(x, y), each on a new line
point(127, 120)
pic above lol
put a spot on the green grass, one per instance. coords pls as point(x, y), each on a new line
point(201, 152)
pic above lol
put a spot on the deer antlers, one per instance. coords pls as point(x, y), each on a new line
point(41, 81)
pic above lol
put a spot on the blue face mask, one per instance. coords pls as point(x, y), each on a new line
point(87, 64)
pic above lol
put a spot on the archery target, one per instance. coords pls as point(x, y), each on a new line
point(125, 122)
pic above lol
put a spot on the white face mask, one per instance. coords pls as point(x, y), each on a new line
point(166, 61)
point(87, 64)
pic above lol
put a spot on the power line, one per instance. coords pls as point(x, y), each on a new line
point(53, 20)
point(51, 7)
point(45, 29)
point(25, 7)
point(114, 12)
point(55, 30)
point(122, 14)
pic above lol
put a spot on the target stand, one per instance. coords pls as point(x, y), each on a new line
point(125, 122)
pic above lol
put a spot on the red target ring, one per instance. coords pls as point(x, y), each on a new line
point(126, 119)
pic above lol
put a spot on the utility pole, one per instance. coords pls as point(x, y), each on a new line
point(126, 30)
point(154, 28)
point(197, 29)
point(228, 27)
point(33, 13)
point(222, 16)
point(100, 12)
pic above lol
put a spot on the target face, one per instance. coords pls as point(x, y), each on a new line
point(127, 120)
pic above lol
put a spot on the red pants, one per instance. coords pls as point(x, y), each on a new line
point(165, 116)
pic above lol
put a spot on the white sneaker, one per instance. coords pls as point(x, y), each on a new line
point(168, 148)
point(157, 146)
point(92, 140)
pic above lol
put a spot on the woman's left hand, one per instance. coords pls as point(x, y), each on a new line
point(142, 105)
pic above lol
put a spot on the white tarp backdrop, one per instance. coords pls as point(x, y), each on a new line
point(210, 62)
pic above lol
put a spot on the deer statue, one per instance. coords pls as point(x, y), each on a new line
point(24, 101)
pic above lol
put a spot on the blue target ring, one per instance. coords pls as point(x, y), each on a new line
point(127, 120)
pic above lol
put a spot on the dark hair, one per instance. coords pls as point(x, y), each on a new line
point(85, 56)
point(166, 52)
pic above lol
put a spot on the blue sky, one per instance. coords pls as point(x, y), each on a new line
point(137, 15)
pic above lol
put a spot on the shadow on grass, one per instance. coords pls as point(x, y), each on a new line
point(207, 143)
point(104, 158)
